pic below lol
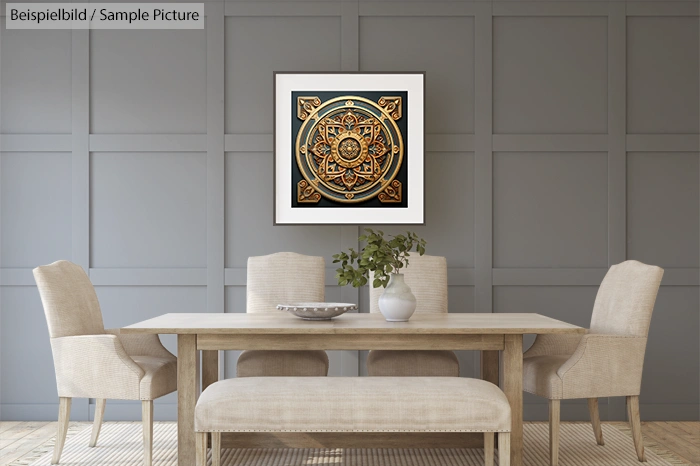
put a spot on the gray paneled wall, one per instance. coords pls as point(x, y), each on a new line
point(562, 138)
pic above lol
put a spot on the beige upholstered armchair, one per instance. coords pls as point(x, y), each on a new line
point(92, 362)
point(427, 277)
point(605, 362)
point(275, 279)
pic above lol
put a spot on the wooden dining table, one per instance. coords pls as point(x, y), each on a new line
point(489, 333)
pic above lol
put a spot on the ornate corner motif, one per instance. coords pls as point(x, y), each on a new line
point(392, 106)
point(392, 193)
point(306, 193)
point(348, 149)
point(306, 105)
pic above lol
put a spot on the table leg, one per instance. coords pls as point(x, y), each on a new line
point(513, 388)
point(187, 391)
point(210, 368)
point(489, 366)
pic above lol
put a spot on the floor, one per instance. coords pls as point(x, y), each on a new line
point(681, 438)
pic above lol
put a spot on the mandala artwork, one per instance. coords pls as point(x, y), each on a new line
point(350, 150)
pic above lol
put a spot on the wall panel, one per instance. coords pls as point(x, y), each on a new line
point(24, 343)
point(562, 138)
point(662, 70)
point(36, 89)
point(444, 49)
point(35, 208)
point(561, 221)
point(135, 225)
point(671, 384)
point(148, 81)
point(657, 234)
point(263, 45)
point(549, 75)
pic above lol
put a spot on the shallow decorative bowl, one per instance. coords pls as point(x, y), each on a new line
point(317, 311)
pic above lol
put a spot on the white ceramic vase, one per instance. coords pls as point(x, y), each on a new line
point(397, 303)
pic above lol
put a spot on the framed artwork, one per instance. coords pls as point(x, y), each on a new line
point(349, 148)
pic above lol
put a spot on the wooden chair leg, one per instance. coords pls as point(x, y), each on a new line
point(147, 420)
point(595, 420)
point(488, 448)
point(636, 424)
point(63, 420)
point(216, 449)
point(201, 448)
point(97, 423)
point(554, 416)
point(504, 449)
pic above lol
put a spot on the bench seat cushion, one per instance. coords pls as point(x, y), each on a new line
point(352, 404)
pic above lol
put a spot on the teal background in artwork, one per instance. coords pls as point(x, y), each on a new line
point(402, 123)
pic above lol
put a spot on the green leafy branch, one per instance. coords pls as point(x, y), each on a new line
point(381, 255)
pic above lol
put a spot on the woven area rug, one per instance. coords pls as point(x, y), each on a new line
point(120, 444)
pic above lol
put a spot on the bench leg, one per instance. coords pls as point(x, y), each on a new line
point(488, 448)
point(201, 448)
point(504, 449)
point(216, 449)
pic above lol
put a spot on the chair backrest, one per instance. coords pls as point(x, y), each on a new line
point(626, 298)
point(69, 299)
point(427, 277)
point(284, 277)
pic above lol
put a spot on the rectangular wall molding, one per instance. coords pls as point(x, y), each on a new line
point(473, 143)
point(550, 142)
point(148, 143)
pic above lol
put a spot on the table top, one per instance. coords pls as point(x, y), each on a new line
point(278, 322)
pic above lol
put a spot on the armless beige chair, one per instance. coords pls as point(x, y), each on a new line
point(605, 362)
point(284, 277)
point(92, 362)
point(427, 277)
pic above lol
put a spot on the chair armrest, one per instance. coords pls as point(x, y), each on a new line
point(554, 345)
point(142, 345)
point(95, 366)
point(604, 365)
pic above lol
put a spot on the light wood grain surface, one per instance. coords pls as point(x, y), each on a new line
point(284, 323)
point(282, 331)
point(296, 342)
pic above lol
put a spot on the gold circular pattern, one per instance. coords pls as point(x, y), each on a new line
point(350, 150)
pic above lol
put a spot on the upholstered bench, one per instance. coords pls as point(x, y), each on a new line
point(353, 404)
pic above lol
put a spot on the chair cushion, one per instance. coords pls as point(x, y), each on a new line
point(540, 376)
point(352, 404)
point(160, 377)
point(260, 363)
point(412, 363)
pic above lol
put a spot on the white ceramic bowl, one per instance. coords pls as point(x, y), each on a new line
point(317, 311)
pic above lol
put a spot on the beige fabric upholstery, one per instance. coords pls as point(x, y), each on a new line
point(427, 277)
point(69, 299)
point(282, 363)
point(412, 363)
point(160, 376)
point(92, 362)
point(607, 361)
point(95, 366)
point(554, 345)
point(352, 404)
point(625, 299)
point(141, 345)
point(280, 278)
